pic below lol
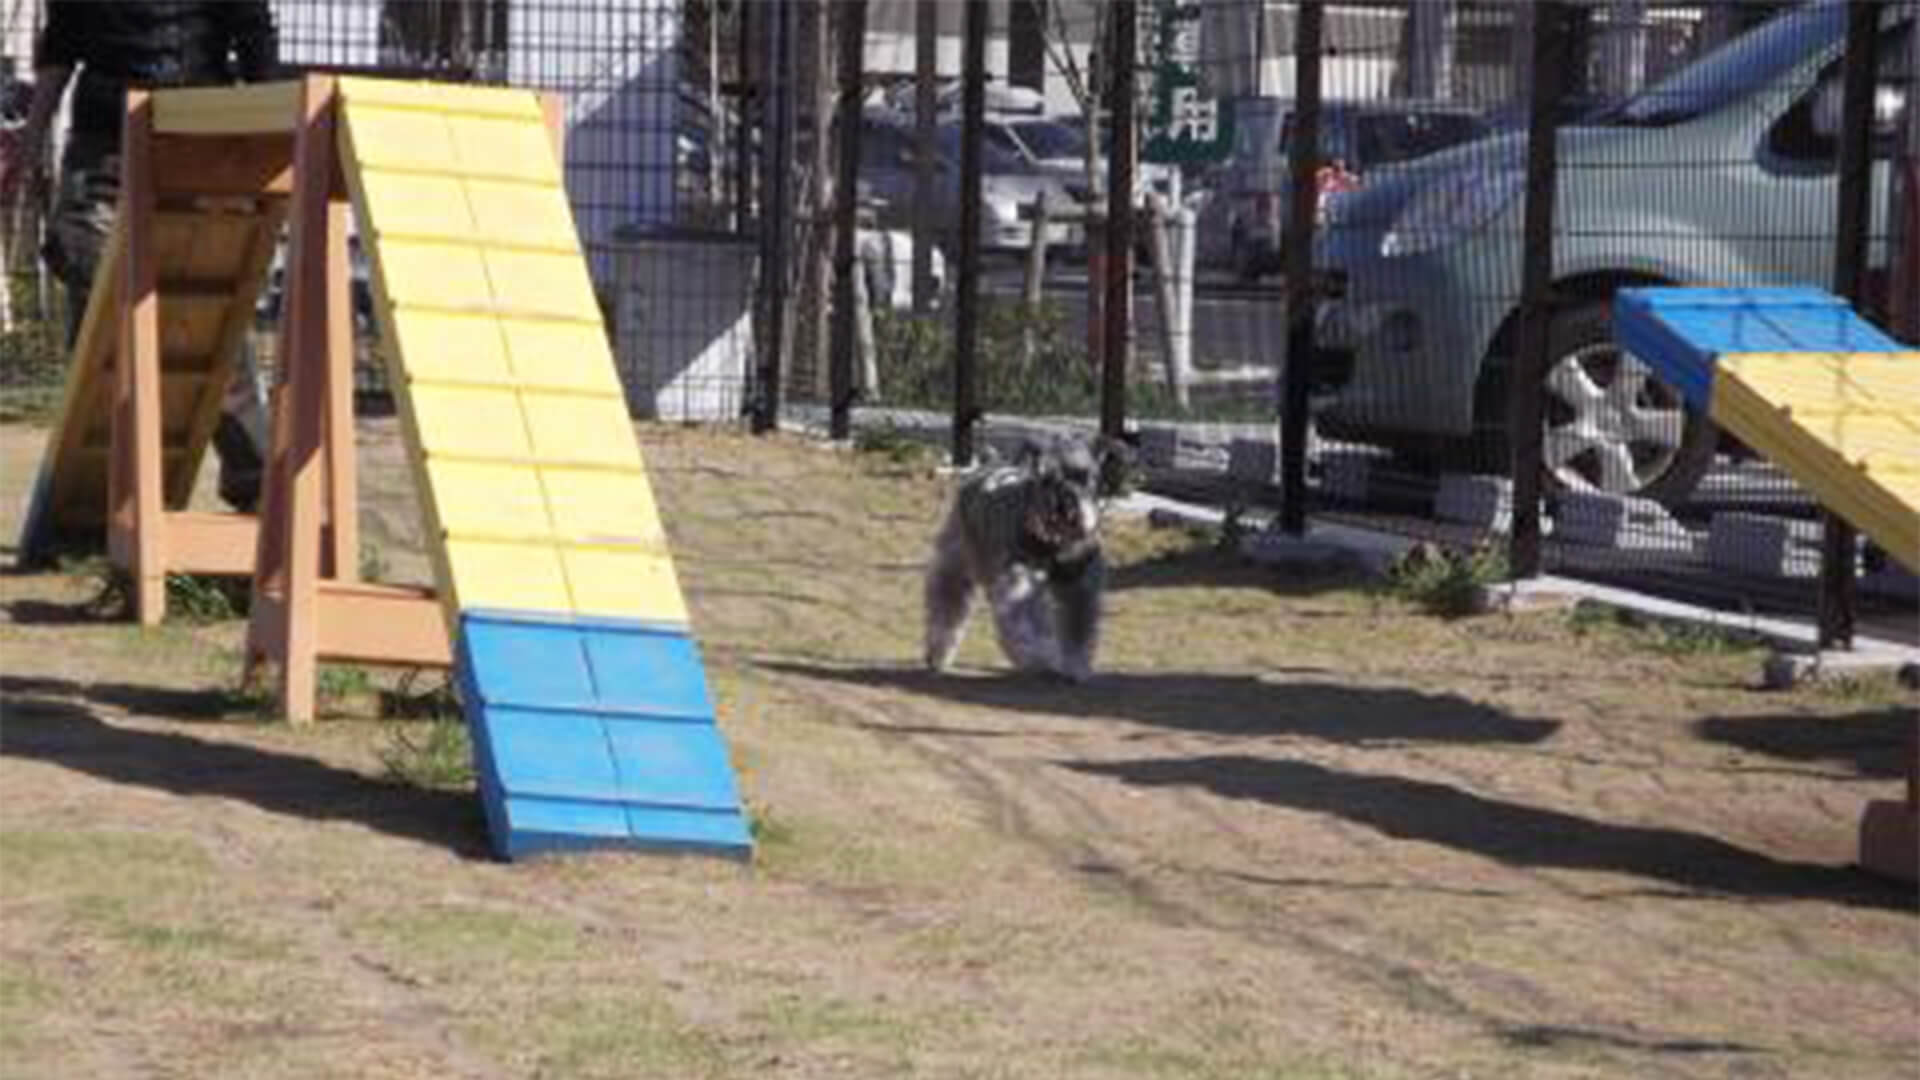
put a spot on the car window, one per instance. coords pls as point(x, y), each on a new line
point(883, 146)
point(1002, 142)
point(1734, 70)
point(1336, 138)
point(1810, 131)
point(1385, 138)
point(1050, 138)
point(1256, 133)
point(995, 157)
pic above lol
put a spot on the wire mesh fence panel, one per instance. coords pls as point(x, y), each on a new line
point(1694, 148)
point(32, 308)
point(652, 120)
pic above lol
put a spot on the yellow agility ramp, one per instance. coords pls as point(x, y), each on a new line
point(1796, 375)
point(583, 687)
point(1847, 425)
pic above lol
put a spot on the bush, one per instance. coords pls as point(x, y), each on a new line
point(1447, 583)
point(1028, 360)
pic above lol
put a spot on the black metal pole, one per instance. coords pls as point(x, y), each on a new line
point(1117, 337)
point(1837, 593)
point(853, 39)
point(966, 306)
point(752, 105)
point(1303, 162)
point(776, 209)
point(926, 65)
point(1526, 378)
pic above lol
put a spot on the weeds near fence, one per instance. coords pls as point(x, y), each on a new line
point(1032, 360)
point(1672, 637)
point(1450, 584)
point(435, 754)
point(33, 359)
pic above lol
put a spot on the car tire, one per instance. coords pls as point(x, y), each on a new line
point(1609, 423)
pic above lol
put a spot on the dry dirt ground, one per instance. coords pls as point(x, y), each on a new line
point(1296, 829)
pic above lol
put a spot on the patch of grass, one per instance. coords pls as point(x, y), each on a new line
point(193, 599)
point(336, 682)
point(626, 1035)
point(458, 940)
point(768, 829)
point(198, 599)
point(436, 754)
point(809, 1018)
point(1670, 637)
point(1859, 686)
point(33, 360)
point(1447, 583)
point(896, 444)
point(1031, 360)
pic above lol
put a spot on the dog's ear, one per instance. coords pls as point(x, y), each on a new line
point(1033, 454)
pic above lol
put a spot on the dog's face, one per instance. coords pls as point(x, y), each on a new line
point(1065, 509)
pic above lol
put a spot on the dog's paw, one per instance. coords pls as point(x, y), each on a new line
point(1077, 674)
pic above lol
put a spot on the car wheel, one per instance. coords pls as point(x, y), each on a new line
point(1610, 424)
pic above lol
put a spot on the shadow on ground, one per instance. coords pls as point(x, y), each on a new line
point(68, 733)
point(1217, 704)
point(1868, 745)
point(49, 613)
point(1512, 833)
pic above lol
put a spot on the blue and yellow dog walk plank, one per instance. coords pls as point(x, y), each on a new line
point(582, 684)
point(1798, 376)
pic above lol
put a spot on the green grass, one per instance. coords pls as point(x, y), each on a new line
point(1669, 637)
point(1030, 361)
point(33, 363)
point(1444, 582)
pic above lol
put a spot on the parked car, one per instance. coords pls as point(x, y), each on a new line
point(1246, 209)
point(1010, 184)
point(1722, 173)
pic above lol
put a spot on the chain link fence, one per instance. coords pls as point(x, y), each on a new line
point(1343, 184)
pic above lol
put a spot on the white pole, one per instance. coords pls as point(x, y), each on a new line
point(1181, 233)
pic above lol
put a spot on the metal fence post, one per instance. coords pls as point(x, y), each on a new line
point(1303, 165)
point(840, 392)
point(1837, 599)
point(776, 222)
point(966, 305)
point(1528, 368)
point(1117, 311)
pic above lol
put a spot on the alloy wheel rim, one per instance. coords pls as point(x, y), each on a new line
point(1610, 425)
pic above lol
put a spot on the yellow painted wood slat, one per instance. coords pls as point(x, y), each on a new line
point(536, 492)
point(1886, 375)
point(256, 109)
point(1887, 515)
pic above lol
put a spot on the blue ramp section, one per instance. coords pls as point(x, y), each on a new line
point(1680, 332)
point(593, 733)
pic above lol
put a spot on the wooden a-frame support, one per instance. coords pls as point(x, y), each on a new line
point(302, 549)
point(144, 538)
point(308, 602)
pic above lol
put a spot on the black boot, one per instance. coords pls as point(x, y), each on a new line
point(240, 464)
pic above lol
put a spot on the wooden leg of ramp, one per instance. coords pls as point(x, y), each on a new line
point(134, 491)
point(1890, 828)
point(308, 605)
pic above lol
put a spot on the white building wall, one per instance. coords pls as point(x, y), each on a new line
point(617, 69)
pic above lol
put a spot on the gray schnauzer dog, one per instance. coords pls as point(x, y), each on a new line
point(1028, 534)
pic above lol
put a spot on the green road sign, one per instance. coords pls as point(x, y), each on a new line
point(1181, 124)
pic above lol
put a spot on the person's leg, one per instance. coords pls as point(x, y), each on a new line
point(81, 220)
